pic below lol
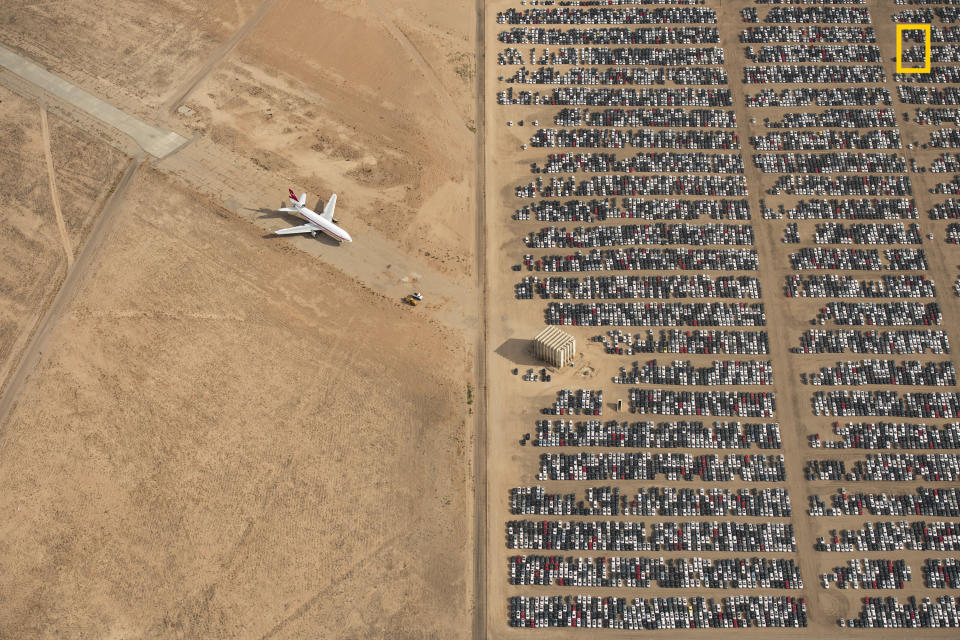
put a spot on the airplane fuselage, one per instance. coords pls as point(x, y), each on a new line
point(325, 226)
point(316, 222)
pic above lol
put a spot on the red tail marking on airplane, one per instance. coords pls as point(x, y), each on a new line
point(292, 196)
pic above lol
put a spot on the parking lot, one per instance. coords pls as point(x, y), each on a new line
point(780, 307)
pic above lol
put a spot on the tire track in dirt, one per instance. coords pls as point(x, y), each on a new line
point(219, 54)
point(310, 602)
point(480, 421)
point(54, 194)
point(72, 282)
point(425, 68)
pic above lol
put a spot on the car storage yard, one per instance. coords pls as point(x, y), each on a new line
point(764, 207)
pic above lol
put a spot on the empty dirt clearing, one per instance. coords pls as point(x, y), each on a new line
point(207, 435)
point(31, 253)
point(35, 251)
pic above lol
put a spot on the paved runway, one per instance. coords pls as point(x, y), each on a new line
point(157, 142)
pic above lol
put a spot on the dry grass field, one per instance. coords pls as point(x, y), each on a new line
point(86, 171)
point(31, 256)
point(223, 436)
point(141, 52)
point(229, 439)
point(32, 261)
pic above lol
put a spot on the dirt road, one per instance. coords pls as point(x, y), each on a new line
point(219, 54)
point(54, 194)
point(480, 421)
point(71, 284)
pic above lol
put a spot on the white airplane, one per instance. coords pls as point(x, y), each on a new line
point(322, 222)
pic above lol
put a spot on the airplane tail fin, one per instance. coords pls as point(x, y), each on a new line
point(293, 198)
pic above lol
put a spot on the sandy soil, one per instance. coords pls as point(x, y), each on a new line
point(206, 436)
point(32, 262)
point(224, 436)
point(141, 52)
point(86, 171)
point(385, 126)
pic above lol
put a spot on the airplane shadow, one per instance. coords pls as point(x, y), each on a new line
point(273, 213)
point(322, 238)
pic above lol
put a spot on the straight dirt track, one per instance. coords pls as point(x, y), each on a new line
point(54, 192)
point(68, 290)
point(481, 522)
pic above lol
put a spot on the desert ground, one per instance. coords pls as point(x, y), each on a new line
point(210, 431)
point(165, 489)
point(36, 252)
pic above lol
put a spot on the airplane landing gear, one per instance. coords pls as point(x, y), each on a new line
point(313, 233)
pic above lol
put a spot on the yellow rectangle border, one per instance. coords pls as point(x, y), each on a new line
point(926, 56)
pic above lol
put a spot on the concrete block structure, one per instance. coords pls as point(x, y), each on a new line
point(554, 346)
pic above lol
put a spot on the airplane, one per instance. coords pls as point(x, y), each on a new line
point(322, 222)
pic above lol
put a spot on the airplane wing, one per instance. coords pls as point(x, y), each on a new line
point(303, 228)
point(328, 210)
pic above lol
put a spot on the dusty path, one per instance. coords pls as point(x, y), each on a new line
point(373, 258)
point(421, 62)
point(480, 421)
point(54, 194)
point(155, 141)
point(71, 284)
point(219, 54)
point(783, 322)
